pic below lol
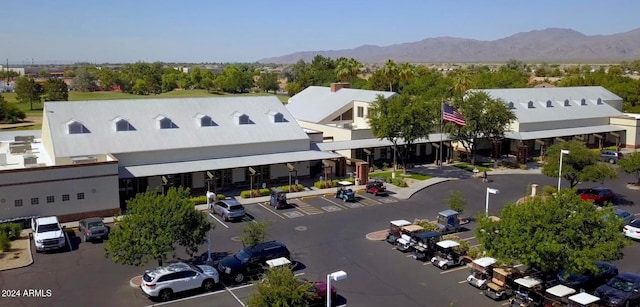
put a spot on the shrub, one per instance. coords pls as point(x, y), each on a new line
point(324, 184)
point(549, 190)
point(385, 166)
point(399, 182)
point(475, 252)
point(294, 188)
point(11, 230)
point(5, 243)
point(427, 225)
point(464, 247)
point(523, 166)
point(198, 200)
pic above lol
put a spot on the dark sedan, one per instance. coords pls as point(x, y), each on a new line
point(598, 195)
point(621, 290)
point(589, 280)
point(93, 228)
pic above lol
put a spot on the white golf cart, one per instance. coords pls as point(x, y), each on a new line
point(394, 230)
point(481, 270)
point(406, 240)
point(558, 295)
point(447, 255)
point(527, 292)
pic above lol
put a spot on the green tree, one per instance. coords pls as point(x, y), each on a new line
point(383, 120)
point(234, 80)
point(69, 73)
point(154, 225)
point(630, 164)
point(43, 73)
point(390, 73)
point(268, 82)
point(280, 287)
point(84, 81)
point(254, 233)
point(28, 91)
point(485, 117)
point(552, 233)
point(580, 165)
point(9, 113)
point(170, 79)
point(417, 120)
point(142, 78)
point(107, 78)
point(55, 90)
point(456, 201)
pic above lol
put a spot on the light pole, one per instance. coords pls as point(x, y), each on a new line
point(562, 153)
point(486, 203)
point(335, 276)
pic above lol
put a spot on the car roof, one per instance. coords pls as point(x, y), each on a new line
point(264, 245)
point(630, 276)
point(231, 202)
point(485, 261)
point(47, 220)
point(170, 268)
point(560, 291)
point(448, 212)
point(400, 223)
point(448, 244)
point(528, 281)
point(600, 188)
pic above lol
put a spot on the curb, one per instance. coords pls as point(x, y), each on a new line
point(135, 281)
point(379, 235)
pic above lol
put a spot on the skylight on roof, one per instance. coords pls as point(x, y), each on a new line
point(124, 125)
point(166, 123)
point(75, 127)
point(241, 119)
point(276, 117)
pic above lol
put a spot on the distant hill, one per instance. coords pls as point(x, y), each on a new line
point(549, 45)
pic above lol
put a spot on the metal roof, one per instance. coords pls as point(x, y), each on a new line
point(448, 212)
point(145, 115)
point(448, 244)
point(370, 143)
point(557, 95)
point(316, 103)
point(542, 134)
point(222, 163)
point(400, 223)
point(584, 298)
point(560, 291)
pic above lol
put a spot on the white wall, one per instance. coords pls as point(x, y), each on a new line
point(99, 183)
point(338, 134)
point(360, 122)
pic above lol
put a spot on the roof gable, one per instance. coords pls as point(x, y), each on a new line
point(317, 103)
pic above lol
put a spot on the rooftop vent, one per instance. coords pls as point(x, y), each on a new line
point(205, 120)
point(75, 127)
point(583, 102)
point(599, 102)
point(276, 117)
point(511, 106)
point(530, 105)
point(123, 125)
point(549, 104)
point(567, 103)
point(165, 122)
point(241, 119)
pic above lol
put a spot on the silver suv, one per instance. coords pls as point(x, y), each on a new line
point(164, 281)
point(610, 156)
point(228, 209)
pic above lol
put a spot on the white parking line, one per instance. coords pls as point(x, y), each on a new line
point(467, 239)
point(278, 215)
point(464, 267)
point(219, 221)
point(462, 282)
point(234, 296)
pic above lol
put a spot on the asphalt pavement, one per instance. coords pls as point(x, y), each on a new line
point(324, 235)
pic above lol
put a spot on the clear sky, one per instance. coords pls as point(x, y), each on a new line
point(67, 31)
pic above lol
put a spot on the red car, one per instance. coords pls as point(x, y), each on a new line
point(319, 294)
point(598, 195)
point(376, 187)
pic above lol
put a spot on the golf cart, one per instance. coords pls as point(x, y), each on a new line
point(557, 296)
point(278, 199)
point(527, 292)
point(345, 194)
point(448, 221)
point(394, 230)
point(376, 187)
point(481, 270)
point(447, 255)
point(583, 299)
point(406, 241)
point(501, 285)
point(425, 244)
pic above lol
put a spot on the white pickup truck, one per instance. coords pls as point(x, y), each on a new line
point(48, 234)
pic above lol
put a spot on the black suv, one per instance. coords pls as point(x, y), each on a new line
point(251, 260)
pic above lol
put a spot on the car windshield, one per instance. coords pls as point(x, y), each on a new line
point(195, 268)
point(635, 224)
point(243, 256)
point(94, 225)
point(236, 208)
point(48, 227)
point(621, 284)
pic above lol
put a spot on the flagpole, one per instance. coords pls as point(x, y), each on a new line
point(441, 132)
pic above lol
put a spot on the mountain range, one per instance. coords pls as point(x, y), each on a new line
point(548, 45)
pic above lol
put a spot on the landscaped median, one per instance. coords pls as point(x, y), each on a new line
point(15, 247)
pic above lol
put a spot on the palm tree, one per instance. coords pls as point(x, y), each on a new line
point(343, 69)
point(355, 67)
point(406, 72)
point(390, 71)
point(461, 83)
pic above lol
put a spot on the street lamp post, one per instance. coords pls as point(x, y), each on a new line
point(486, 204)
point(562, 153)
point(335, 276)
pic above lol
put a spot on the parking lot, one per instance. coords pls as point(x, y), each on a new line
point(321, 238)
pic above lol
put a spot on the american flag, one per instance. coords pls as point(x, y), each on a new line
point(451, 115)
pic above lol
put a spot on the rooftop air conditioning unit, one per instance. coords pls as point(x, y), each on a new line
point(30, 160)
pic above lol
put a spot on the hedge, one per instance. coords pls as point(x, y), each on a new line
point(202, 199)
point(256, 193)
point(294, 188)
point(325, 184)
point(12, 230)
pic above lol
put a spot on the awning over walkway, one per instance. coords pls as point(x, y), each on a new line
point(372, 143)
point(222, 163)
point(543, 134)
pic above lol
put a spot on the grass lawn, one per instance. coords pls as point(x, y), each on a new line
point(468, 167)
point(399, 174)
